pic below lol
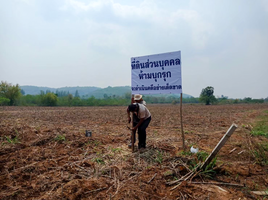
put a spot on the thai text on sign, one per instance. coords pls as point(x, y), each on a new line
point(156, 74)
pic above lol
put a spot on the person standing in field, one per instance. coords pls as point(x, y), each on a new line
point(141, 120)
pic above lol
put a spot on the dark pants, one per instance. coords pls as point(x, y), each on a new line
point(141, 131)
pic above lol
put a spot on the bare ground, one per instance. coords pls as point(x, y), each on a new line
point(44, 153)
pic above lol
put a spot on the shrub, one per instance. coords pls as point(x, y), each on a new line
point(4, 101)
point(49, 99)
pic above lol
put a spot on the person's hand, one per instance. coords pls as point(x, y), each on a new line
point(134, 129)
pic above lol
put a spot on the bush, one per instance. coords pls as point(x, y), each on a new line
point(4, 101)
point(49, 99)
point(10, 92)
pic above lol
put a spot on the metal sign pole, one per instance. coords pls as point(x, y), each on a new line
point(132, 132)
point(182, 133)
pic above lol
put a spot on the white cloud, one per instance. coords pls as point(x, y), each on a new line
point(80, 6)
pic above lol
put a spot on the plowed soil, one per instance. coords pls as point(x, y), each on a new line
point(45, 154)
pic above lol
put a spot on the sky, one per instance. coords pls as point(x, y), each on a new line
point(58, 43)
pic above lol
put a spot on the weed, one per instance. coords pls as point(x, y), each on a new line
point(209, 171)
point(60, 138)
point(168, 173)
point(97, 142)
point(260, 153)
point(256, 186)
point(261, 127)
point(201, 156)
point(15, 140)
point(185, 153)
point(114, 150)
point(98, 160)
point(236, 177)
point(99, 153)
point(159, 157)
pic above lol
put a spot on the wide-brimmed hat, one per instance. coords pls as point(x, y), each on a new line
point(137, 97)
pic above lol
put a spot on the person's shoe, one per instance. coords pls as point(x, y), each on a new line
point(142, 150)
point(129, 145)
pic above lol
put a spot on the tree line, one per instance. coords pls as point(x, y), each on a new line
point(12, 95)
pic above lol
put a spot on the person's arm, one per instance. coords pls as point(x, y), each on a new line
point(137, 126)
point(128, 115)
point(132, 99)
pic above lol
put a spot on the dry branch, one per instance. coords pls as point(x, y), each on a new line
point(232, 150)
point(214, 183)
point(152, 178)
point(95, 190)
point(263, 193)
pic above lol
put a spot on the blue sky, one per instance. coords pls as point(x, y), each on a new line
point(58, 43)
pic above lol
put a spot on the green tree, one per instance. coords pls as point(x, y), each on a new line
point(9, 91)
point(207, 96)
point(127, 95)
point(76, 94)
point(70, 98)
point(22, 92)
point(49, 99)
point(4, 101)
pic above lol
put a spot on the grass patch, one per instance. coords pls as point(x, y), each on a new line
point(159, 157)
point(184, 153)
point(261, 126)
point(201, 156)
point(261, 153)
point(209, 171)
point(60, 138)
point(114, 150)
point(98, 160)
point(15, 140)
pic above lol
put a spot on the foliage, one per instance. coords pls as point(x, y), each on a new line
point(49, 99)
point(261, 126)
point(77, 94)
point(22, 91)
point(184, 153)
point(14, 140)
point(209, 171)
point(247, 100)
point(207, 96)
point(30, 100)
point(159, 157)
point(62, 93)
point(60, 138)
point(9, 91)
point(4, 101)
point(261, 153)
point(98, 160)
point(114, 150)
point(46, 97)
point(202, 155)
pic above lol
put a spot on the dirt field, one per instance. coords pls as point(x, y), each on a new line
point(44, 154)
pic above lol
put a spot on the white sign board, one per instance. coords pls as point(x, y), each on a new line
point(156, 74)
